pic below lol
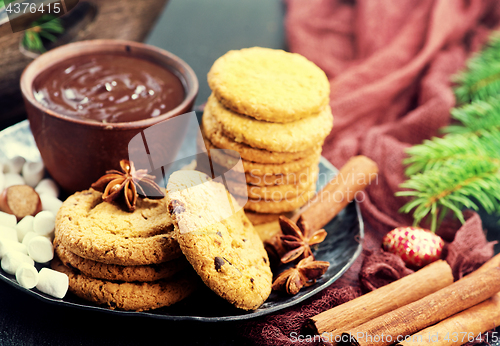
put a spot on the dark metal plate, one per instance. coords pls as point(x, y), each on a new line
point(341, 248)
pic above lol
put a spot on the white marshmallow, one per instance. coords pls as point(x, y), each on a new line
point(8, 220)
point(40, 249)
point(8, 233)
point(9, 245)
point(33, 172)
point(11, 179)
point(44, 222)
point(28, 236)
point(12, 260)
point(53, 283)
point(27, 276)
point(24, 226)
point(50, 203)
point(14, 165)
point(47, 186)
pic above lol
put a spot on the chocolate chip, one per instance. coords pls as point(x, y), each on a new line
point(265, 260)
point(176, 207)
point(219, 262)
point(219, 234)
point(252, 280)
point(244, 240)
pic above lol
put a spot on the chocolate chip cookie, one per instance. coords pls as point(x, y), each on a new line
point(218, 240)
point(105, 232)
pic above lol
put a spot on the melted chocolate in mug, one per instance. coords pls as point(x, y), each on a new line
point(109, 88)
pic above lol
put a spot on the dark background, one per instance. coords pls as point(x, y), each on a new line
point(200, 31)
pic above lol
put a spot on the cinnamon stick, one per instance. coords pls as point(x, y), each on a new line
point(411, 318)
point(463, 327)
point(352, 178)
point(410, 288)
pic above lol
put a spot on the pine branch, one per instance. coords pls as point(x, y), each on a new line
point(477, 117)
point(456, 185)
point(481, 78)
point(45, 26)
point(436, 153)
point(462, 169)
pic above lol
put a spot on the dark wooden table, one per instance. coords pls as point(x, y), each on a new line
point(198, 31)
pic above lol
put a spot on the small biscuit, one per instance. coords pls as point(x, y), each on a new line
point(105, 232)
point(296, 136)
point(218, 240)
point(280, 205)
point(115, 272)
point(272, 192)
point(269, 84)
point(214, 134)
point(291, 178)
point(136, 296)
point(225, 158)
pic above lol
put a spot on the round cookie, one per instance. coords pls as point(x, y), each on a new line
point(273, 192)
point(269, 84)
point(297, 136)
point(226, 159)
point(270, 192)
point(291, 178)
point(218, 240)
point(136, 296)
point(213, 133)
point(115, 272)
point(104, 232)
point(281, 205)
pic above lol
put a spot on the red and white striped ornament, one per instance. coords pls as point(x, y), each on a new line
point(416, 246)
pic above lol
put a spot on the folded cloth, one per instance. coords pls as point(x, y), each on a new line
point(389, 64)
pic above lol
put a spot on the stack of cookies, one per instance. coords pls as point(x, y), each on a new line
point(120, 259)
point(272, 108)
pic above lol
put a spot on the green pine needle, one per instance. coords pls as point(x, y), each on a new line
point(436, 153)
point(456, 185)
point(462, 169)
point(482, 76)
point(478, 117)
point(45, 26)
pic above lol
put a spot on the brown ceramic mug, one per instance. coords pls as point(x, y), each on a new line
point(77, 152)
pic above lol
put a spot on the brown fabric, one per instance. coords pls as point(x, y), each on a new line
point(389, 63)
point(469, 247)
point(381, 268)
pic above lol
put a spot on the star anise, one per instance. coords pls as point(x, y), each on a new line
point(298, 239)
point(116, 183)
point(304, 274)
